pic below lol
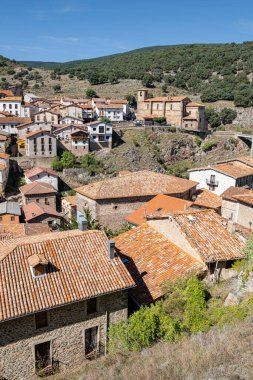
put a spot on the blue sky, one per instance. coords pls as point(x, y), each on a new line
point(60, 30)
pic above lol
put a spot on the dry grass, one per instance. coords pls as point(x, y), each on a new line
point(218, 355)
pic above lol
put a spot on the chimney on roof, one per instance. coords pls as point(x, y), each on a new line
point(231, 227)
point(82, 223)
point(111, 249)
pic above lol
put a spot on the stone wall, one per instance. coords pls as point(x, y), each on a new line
point(43, 199)
point(66, 326)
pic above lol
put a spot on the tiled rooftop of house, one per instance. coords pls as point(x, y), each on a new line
point(152, 259)
point(34, 210)
point(37, 188)
point(78, 268)
point(14, 231)
point(206, 232)
point(4, 155)
point(159, 204)
point(232, 191)
point(136, 184)
point(208, 199)
point(234, 169)
point(167, 99)
point(38, 170)
point(15, 120)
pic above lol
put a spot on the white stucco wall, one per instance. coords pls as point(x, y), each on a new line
point(201, 176)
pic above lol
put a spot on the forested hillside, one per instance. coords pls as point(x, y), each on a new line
point(216, 71)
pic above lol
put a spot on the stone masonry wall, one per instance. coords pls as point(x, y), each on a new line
point(65, 330)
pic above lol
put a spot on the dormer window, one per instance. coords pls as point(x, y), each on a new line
point(38, 265)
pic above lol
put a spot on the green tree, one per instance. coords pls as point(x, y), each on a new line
point(90, 93)
point(212, 117)
point(131, 100)
point(92, 224)
point(56, 164)
point(147, 80)
point(227, 115)
point(57, 88)
point(195, 313)
point(91, 164)
point(68, 160)
point(160, 120)
point(105, 120)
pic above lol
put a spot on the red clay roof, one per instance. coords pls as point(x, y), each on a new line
point(15, 120)
point(33, 210)
point(207, 199)
point(71, 199)
point(195, 104)
point(38, 170)
point(153, 259)
point(161, 203)
point(234, 169)
point(4, 155)
point(206, 232)
point(167, 99)
point(78, 269)
point(37, 188)
point(6, 92)
point(136, 184)
point(30, 134)
point(232, 191)
point(18, 230)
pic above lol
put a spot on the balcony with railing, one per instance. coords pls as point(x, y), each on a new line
point(212, 182)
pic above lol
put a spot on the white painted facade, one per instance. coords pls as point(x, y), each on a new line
point(212, 180)
point(11, 105)
point(113, 114)
point(237, 212)
point(45, 178)
point(100, 132)
point(70, 120)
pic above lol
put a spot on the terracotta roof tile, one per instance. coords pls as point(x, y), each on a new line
point(207, 233)
point(14, 231)
point(15, 120)
point(161, 204)
point(37, 188)
point(71, 199)
point(208, 199)
point(232, 191)
point(167, 99)
point(136, 184)
point(195, 104)
point(4, 155)
point(152, 259)
point(38, 170)
point(78, 269)
point(33, 210)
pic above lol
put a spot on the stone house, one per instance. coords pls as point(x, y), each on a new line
point(46, 117)
point(41, 144)
point(5, 141)
point(64, 313)
point(204, 235)
point(113, 199)
point(176, 110)
point(41, 213)
point(237, 206)
point(10, 212)
point(88, 112)
point(39, 192)
point(43, 175)
point(4, 171)
point(69, 208)
point(72, 110)
point(219, 177)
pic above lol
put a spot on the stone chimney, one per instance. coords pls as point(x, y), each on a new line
point(231, 227)
point(111, 249)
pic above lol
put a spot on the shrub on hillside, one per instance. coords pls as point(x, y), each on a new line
point(209, 146)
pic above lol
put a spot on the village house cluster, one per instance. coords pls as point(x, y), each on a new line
point(68, 286)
